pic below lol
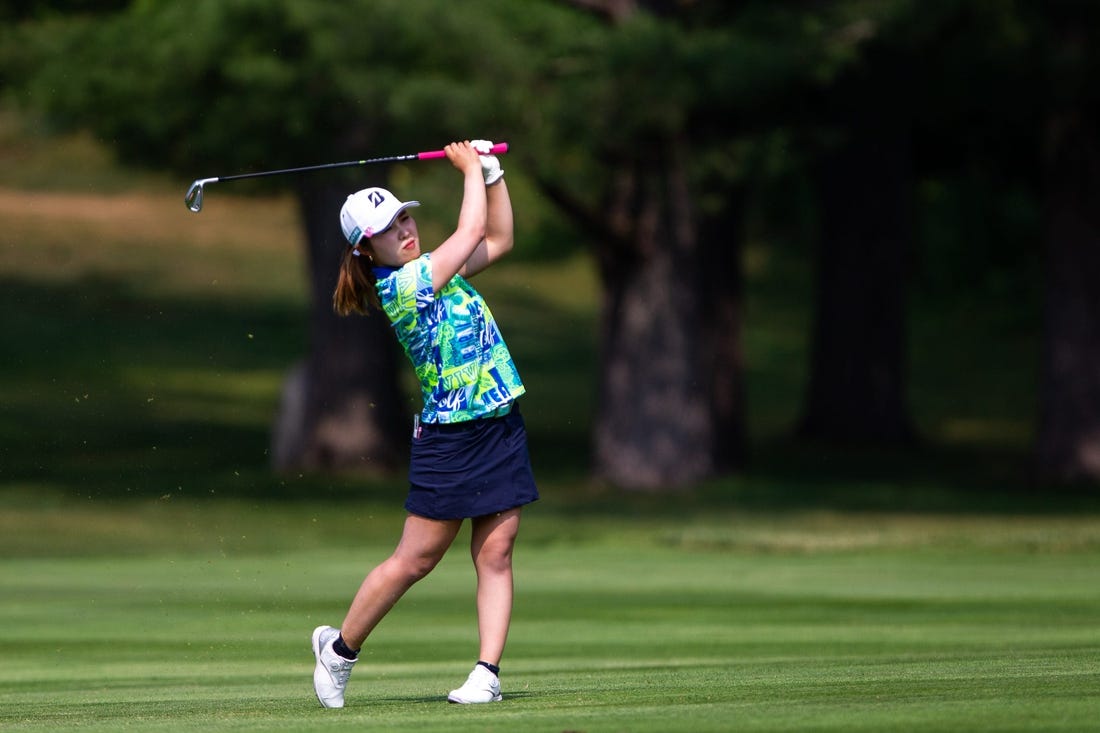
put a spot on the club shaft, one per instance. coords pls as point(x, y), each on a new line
point(497, 149)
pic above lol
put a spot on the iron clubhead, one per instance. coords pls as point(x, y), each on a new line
point(193, 199)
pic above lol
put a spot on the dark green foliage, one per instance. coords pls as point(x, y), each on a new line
point(240, 85)
point(227, 86)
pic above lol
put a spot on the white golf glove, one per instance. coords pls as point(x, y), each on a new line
point(490, 166)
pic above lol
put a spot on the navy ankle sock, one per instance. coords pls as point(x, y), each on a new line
point(491, 667)
point(343, 649)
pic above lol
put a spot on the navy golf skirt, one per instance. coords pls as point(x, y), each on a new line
point(470, 469)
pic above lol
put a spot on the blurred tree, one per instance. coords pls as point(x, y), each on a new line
point(673, 106)
point(1068, 437)
point(864, 178)
point(239, 85)
point(896, 111)
point(17, 10)
point(654, 421)
point(650, 117)
point(644, 121)
point(997, 92)
point(243, 85)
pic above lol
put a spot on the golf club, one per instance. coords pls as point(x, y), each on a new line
point(193, 199)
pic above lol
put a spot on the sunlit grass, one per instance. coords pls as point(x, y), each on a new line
point(238, 249)
point(611, 631)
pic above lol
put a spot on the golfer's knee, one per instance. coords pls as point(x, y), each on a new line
point(412, 569)
point(494, 560)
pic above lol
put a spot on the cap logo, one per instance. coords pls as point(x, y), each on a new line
point(377, 198)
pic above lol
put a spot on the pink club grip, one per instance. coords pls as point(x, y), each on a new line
point(498, 149)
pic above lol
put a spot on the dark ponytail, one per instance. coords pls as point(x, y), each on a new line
point(355, 291)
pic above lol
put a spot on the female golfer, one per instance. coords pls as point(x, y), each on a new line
point(469, 447)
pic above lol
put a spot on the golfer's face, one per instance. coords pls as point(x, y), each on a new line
point(399, 244)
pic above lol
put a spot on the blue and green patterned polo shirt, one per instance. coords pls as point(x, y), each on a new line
point(453, 342)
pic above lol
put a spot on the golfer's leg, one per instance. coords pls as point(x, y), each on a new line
point(491, 547)
point(423, 543)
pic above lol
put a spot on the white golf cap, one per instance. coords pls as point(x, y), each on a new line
point(369, 212)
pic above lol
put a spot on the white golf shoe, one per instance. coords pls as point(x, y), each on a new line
point(481, 686)
point(330, 676)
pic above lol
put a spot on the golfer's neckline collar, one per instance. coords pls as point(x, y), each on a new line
point(381, 272)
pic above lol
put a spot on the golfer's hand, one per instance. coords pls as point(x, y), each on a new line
point(490, 166)
point(463, 157)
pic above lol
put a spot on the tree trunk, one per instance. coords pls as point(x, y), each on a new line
point(653, 426)
point(1068, 439)
point(857, 376)
point(342, 407)
point(721, 298)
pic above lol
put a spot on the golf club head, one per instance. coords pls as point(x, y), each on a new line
point(193, 199)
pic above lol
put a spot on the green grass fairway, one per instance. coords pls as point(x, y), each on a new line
point(835, 625)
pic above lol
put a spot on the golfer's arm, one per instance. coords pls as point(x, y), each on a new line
point(451, 256)
point(499, 231)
